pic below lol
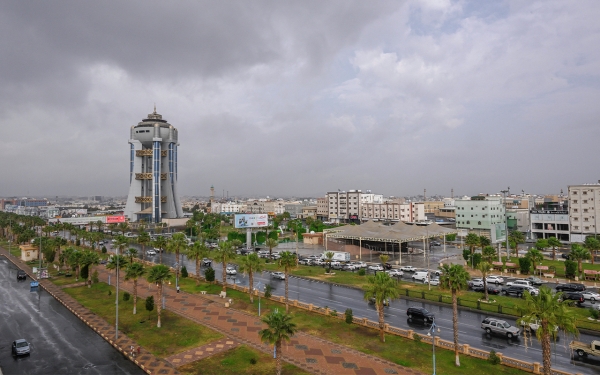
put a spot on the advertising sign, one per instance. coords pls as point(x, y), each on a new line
point(251, 220)
point(115, 219)
point(498, 233)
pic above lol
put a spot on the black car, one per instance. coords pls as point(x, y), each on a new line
point(517, 290)
point(492, 289)
point(573, 296)
point(420, 313)
point(435, 243)
point(206, 262)
point(21, 275)
point(571, 287)
point(566, 256)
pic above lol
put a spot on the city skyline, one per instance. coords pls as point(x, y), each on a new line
point(283, 99)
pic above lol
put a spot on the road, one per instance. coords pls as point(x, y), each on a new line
point(61, 343)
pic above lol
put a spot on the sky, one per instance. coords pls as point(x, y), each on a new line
point(298, 98)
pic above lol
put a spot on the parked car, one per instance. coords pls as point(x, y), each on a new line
point(566, 256)
point(435, 243)
point(475, 283)
point(408, 268)
point(521, 282)
point(375, 267)
point(278, 275)
point(360, 264)
point(20, 347)
point(386, 302)
point(421, 276)
point(494, 279)
point(420, 313)
point(500, 327)
point(230, 270)
point(434, 281)
point(387, 266)
point(535, 280)
point(570, 287)
point(492, 289)
point(591, 296)
point(206, 262)
point(573, 296)
point(394, 272)
point(150, 252)
point(517, 290)
point(305, 261)
point(21, 275)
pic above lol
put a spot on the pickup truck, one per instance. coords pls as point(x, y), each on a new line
point(583, 350)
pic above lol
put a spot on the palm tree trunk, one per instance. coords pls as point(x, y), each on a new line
point(161, 251)
point(134, 296)
point(89, 283)
point(546, 350)
point(487, 298)
point(251, 285)
point(143, 252)
point(553, 253)
point(455, 325)
point(197, 271)
point(159, 302)
point(224, 277)
point(287, 302)
point(278, 346)
point(381, 322)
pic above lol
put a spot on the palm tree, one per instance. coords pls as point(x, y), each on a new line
point(99, 225)
point(197, 251)
point(280, 328)
point(161, 244)
point(593, 245)
point(288, 261)
point(75, 260)
point(382, 288)
point(117, 262)
point(579, 253)
point(548, 311)
point(328, 258)
point(483, 242)
point(517, 238)
point(159, 274)
point(123, 227)
point(249, 265)
point(535, 256)
point(131, 253)
point(484, 268)
point(553, 242)
point(89, 258)
point(488, 253)
point(177, 244)
point(472, 241)
point(384, 258)
point(133, 272)
point(454, 277)
point(144, 240)
point(271, 243)
point(223, 254)
point(121, 244)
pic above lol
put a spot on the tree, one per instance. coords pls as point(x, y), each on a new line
point(161, 244)
point(488, 253)
point(328, 259)
point(248, 265)
point(483, 242)
point(149, 304)
point(223, 254)
point(144, 240)
point(271, 243)
point(384, 258)
point(472, 241)
point(553, 242)
point(89, 258)
point(176, 245)
point(159, 274)
point(592, 245)
point(75, 260)
point(535, 256)
point(131, 253)
point(455, 278)
point(280, 328)
point(484, 268)
point(549, 312)
point(117, 262)
point(133, 272)
point(121, 243)
point(382, 288)
point(288, 261)
point(517, 238)
point(196, 252)
point(579, 253)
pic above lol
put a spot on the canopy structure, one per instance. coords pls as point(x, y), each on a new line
point(397, 233)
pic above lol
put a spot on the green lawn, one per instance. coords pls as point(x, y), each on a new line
point(242, 360)
point(177, 334)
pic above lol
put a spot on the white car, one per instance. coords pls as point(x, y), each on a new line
point(476, 282)
point(375, 267)
point(394, 272)
point(230, 270)
point(494, 279)
point(278, 275)
point(422, 276)
point(591, 295)
point(150, 252)
point(435, 281)
point(520, 282)
point(408, 269)
point(360, 264)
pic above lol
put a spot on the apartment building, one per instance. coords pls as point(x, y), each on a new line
point(480, 214)
point(550, 223)
point(344, 206)
point(393, 211)
point(263, 206)
point(583, 210)
point(322, 209)
point(228, 207)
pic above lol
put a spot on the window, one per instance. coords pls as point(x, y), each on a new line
point(575, 201)
point(468, 222)
point(574, 193)
point(585, 201)
point(479, 223)
point(585, 192)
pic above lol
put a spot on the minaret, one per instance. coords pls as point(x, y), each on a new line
point(153, 191)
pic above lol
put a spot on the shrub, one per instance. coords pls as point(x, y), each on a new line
point(524, 264)
point(570, 268)
point(268, 290)
point(466, 254)
point(78, 242)
point(95, 278)
point(416, 337)
point(85, 272)
point(595, 313)
point(362, 272)
point(126, 296)
point(333, 313)
point(110, 292)
point(349, 316)
point(493, 358)
point(150, 303)
point(103, 249)
point(184, 272)
point(476, 259)
point(253, 361)
point(209, 274)
point(451, 237)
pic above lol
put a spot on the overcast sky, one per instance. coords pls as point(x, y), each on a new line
point(297, 98)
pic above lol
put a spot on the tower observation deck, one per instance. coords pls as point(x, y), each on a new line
point(153, 191)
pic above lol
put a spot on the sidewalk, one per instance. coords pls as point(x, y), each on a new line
point(308, 352)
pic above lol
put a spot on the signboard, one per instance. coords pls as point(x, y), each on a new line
point(462, 233)
point(115, 219)
point(251, 220)
point(498, 233)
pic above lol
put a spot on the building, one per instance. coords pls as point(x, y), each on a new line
point(393, 212)
point(584, 209)
point(343, 206)
point(153, 192)
point(322, 209)
point(480, 214)
point(309, 211)
point(228, 207)
point(263, 206)
point(550, 223)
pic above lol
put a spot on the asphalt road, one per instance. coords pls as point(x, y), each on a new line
point(61, 343)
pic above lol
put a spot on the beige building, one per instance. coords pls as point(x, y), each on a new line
point(584, 209)
point(322, 210)
point(392, 211)
point(28, 252)
point(309, 211)
point(433, 207)
point(266, 207)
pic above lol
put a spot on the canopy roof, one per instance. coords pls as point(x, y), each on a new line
point(399, 232)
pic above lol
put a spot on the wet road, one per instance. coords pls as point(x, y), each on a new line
point(61, 343)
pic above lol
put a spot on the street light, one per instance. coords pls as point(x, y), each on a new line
point(258, 286)
point(430, 333)
point(506, 223)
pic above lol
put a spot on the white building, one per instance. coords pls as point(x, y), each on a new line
point(393, 211)
point(480, 214)
point(228, 207)
point(584, 208)
point(550, 223)
point(344, 206)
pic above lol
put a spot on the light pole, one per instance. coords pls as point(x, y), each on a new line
point(117, 297)
point(430, 333)
point(506, 223)
point(258, 286)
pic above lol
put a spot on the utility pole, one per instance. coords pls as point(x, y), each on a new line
point(507, 191)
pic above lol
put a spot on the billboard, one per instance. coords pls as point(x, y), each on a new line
point(251, 220)
point(498, 233)
point(115, 219)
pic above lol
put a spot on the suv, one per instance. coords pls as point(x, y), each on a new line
point(519, 282)
point(475, 283)
point(572, 287)
point(501, 327)
point(21, 275)
point(518, 290)
point(206, 262)
point(278, 275)
point(573, 296)
point(420, 313)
